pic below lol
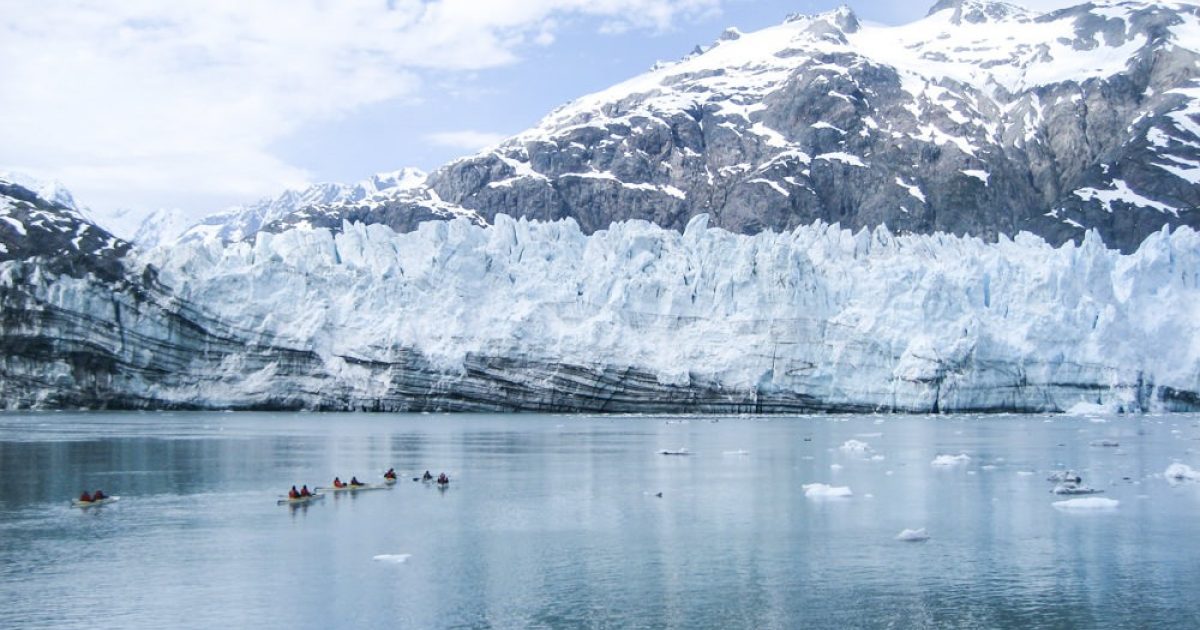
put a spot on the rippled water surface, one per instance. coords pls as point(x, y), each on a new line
point(553, 521)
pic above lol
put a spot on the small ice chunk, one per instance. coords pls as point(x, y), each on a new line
point(1090, 409)
point(913, 535)
point(1070, 487)
point(1025, 473)
point(825, 491)
point(680, 451)
point(397, 558)
point(856, 446)
point(1181, 472)
point(1106, 443)
point(1090, 503)
point(1064, 475)
point(835, 467)
point(951, 460)
point(737, 452)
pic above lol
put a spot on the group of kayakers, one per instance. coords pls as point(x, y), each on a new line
point(390, 477)
point(92, 498)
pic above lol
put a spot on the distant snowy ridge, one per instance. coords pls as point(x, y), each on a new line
point(240, 222)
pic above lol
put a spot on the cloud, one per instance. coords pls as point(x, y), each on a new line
point(141, 101)
point(466, 140)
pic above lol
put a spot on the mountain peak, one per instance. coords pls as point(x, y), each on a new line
point(842, 18)
point(979, 11)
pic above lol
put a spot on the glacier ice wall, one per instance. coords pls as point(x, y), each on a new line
point(818, 317)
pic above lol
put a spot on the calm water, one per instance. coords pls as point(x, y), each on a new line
point(553, 522)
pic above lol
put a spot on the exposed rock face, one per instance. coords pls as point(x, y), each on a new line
point(983, 119)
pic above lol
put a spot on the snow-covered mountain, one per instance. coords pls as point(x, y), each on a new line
point(983, 119)
point(707, 237)
point(240, 222)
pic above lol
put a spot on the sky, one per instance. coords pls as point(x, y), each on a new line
point(202, 104)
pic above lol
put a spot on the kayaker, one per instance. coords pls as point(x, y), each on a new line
point(443, 479)
point(337, 483)
point(99, 495)
point(427, 476)
point(304, 491)
point(293, 493)
point(390, 474)
point(85, 497)
point(355, 482)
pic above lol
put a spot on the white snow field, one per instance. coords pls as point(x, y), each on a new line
point(869, 318)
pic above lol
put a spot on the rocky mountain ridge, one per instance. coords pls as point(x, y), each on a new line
point(982, 119)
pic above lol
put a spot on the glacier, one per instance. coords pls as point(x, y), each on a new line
point(819, 318)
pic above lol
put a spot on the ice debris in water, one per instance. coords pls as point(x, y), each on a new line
point(913, 535)
point(825, 491)
point(398, 558)
point(951, 460)
point(737, 452)
point(680, 451)
point(857, 447)
point(1064, 475)
point(1090, 503)
point(1106, 443)
point(1070, 487)
point(1181, 472)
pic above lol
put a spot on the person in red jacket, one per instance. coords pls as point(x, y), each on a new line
point(99, 495)
point(337, 483)
point(304, 491)
point(85, 497)
point(390, 474)
point(293, 493)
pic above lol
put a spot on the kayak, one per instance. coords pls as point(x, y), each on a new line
point(87, 504)
point(359, 488)
point(301, 500)
point(388, 482)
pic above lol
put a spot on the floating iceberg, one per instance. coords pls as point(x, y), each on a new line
point(857, 447)
point(1071, 488)
point(399, 558)
point(1089, 503)
point(1181, 472)
point(947, 461)
point(824, 491)
point(913, 535)
point(1063, 476)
